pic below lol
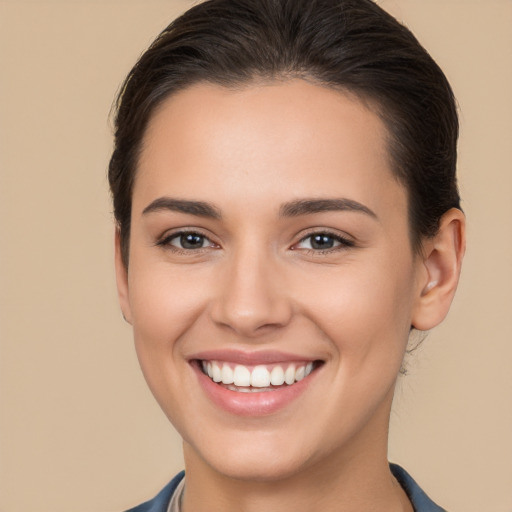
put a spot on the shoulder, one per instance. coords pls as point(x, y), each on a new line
point(420, 501)
point(161, 501)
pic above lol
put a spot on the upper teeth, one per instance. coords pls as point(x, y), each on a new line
point(259, 376)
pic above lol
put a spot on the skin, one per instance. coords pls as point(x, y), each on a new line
point(256, 284)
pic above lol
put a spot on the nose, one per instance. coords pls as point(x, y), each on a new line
point(252, 298)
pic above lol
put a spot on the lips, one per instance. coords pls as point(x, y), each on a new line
point(253, 384)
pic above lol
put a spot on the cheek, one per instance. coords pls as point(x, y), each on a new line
point(164, 300)
point(364, 310)
point(164, 306)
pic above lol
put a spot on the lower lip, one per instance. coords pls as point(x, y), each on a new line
point(253, 403)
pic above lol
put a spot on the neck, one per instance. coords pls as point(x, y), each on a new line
point(347, 493)
point(350, 482)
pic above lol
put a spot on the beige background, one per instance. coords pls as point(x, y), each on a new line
point(79, 432)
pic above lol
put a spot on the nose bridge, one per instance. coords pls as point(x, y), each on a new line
point(252, 298)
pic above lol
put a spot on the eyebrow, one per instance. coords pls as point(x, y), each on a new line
point(198, 208)
point(290, 209)
point(309, 206)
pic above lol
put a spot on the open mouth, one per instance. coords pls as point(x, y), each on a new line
point(258, 378)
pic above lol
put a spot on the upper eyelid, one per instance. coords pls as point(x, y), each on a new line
point(326, 231)
point(184, 230)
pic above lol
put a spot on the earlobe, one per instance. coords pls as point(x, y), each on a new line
point(122, 280)
point(441, 266)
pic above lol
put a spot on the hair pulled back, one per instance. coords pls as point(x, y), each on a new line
point(350, 45)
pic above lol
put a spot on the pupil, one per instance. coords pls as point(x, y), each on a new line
point(322, 242)
point(191, 241)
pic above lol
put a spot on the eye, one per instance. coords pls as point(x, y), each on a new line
point(323, 242)
point(187, 241)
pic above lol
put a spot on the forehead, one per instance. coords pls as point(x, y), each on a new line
point(291, 138)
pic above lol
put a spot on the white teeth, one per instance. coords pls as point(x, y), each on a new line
point(217, 374)
point(289, 375)
point(241, 376)
point(260, 377)
point(227, 374)
point(277, 376)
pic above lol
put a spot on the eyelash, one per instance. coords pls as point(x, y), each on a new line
point(343, 243)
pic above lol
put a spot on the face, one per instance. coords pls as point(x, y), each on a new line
point(270, 248)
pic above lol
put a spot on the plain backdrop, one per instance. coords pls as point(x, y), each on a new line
point(79, 431)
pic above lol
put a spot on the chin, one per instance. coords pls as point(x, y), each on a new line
point(258, 468)
point(257, 458)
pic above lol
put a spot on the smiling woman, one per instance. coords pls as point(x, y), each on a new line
point(284, 188)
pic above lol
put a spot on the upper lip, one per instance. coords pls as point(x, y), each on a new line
point(250, 358)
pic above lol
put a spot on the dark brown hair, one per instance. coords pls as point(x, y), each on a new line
point(351, 45)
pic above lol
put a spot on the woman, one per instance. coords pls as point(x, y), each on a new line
point(284, 188)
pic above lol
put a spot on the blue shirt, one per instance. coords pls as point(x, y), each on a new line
point(420, 501)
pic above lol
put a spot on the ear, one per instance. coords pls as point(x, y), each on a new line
point(439, 271)
point(122, 280)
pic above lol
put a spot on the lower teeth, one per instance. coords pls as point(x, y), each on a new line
point(248, 389)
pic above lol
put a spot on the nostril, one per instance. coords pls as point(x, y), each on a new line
point(251, 300)
point(253, 322)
